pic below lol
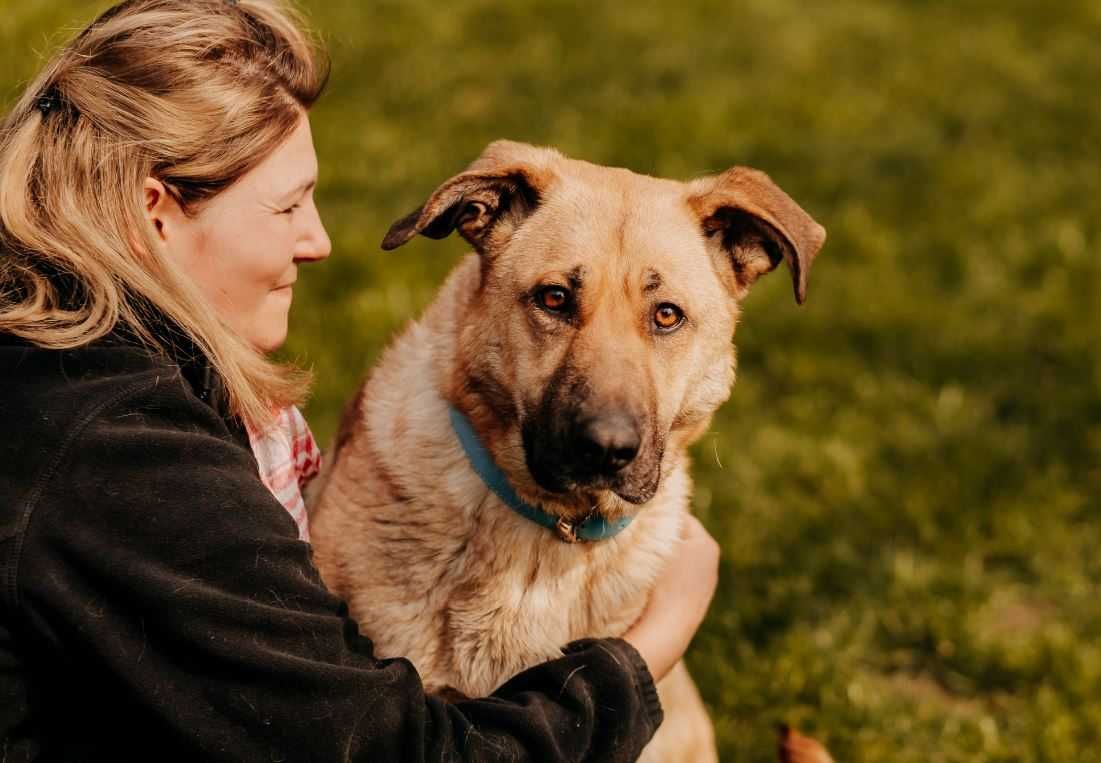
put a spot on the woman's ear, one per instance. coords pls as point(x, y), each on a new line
point(161, 209)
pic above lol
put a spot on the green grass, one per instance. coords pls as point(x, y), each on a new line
point(906, 480)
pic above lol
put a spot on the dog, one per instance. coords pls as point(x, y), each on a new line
point(513, 474)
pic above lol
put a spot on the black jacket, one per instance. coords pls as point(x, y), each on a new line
point(156, 605)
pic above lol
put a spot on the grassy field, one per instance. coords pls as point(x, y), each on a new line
point(907, 480)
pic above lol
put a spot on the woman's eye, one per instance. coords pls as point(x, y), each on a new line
point(554, 298)
point(668, 317)
point(290, 209)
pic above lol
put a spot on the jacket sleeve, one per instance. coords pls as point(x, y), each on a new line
point(156, 559)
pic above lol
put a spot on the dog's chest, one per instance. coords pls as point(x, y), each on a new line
point(474, 601)
point(514, 600)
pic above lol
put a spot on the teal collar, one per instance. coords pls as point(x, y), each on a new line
point(594, 528)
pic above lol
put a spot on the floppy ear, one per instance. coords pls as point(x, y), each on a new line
point(757, 225)
point(486, 203)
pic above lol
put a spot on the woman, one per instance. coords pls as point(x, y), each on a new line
point(157, 600)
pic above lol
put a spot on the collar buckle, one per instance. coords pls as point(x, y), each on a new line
point(566, 530)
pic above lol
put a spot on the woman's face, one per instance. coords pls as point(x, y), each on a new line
point(244, 246)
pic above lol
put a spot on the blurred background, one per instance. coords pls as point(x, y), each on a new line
point(906, 479)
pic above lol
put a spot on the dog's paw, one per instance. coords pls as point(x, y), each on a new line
point(796, 748)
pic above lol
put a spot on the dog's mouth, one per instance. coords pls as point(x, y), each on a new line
point(630, 492)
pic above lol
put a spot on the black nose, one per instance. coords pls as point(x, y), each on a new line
point(607, 443)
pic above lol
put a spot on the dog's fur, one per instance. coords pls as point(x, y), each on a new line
point(432, 564)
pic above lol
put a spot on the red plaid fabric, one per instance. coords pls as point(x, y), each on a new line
point(288, 457)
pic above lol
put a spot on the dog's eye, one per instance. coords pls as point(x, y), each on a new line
point(668, 317)
point(554, 298)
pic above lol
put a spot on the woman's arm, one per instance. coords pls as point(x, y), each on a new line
point(679, 600)
point(166, 593)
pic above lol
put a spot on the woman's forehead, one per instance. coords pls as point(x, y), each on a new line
point(291, 167)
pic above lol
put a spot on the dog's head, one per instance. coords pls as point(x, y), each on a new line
point(601, 331)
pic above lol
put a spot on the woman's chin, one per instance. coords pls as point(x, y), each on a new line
point(269, 335)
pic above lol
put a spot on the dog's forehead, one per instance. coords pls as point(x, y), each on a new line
point(612, 215)
point(581, 178)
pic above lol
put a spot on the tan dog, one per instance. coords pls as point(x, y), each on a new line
point(587, 342)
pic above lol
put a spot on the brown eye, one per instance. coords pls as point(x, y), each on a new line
point(668, 317)
point(554, 298)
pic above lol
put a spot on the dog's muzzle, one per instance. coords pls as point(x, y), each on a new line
point(604, 445)
point(603, 452)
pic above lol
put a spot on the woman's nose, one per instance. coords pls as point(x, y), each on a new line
point(315, 245)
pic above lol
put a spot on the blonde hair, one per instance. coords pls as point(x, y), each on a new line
point(194, 93)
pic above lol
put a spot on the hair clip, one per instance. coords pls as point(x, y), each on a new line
point(48, 101)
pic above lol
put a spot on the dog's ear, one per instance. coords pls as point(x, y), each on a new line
point(485, 203)
point(757, 225)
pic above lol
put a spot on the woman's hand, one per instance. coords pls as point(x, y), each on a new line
point(678, 602)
